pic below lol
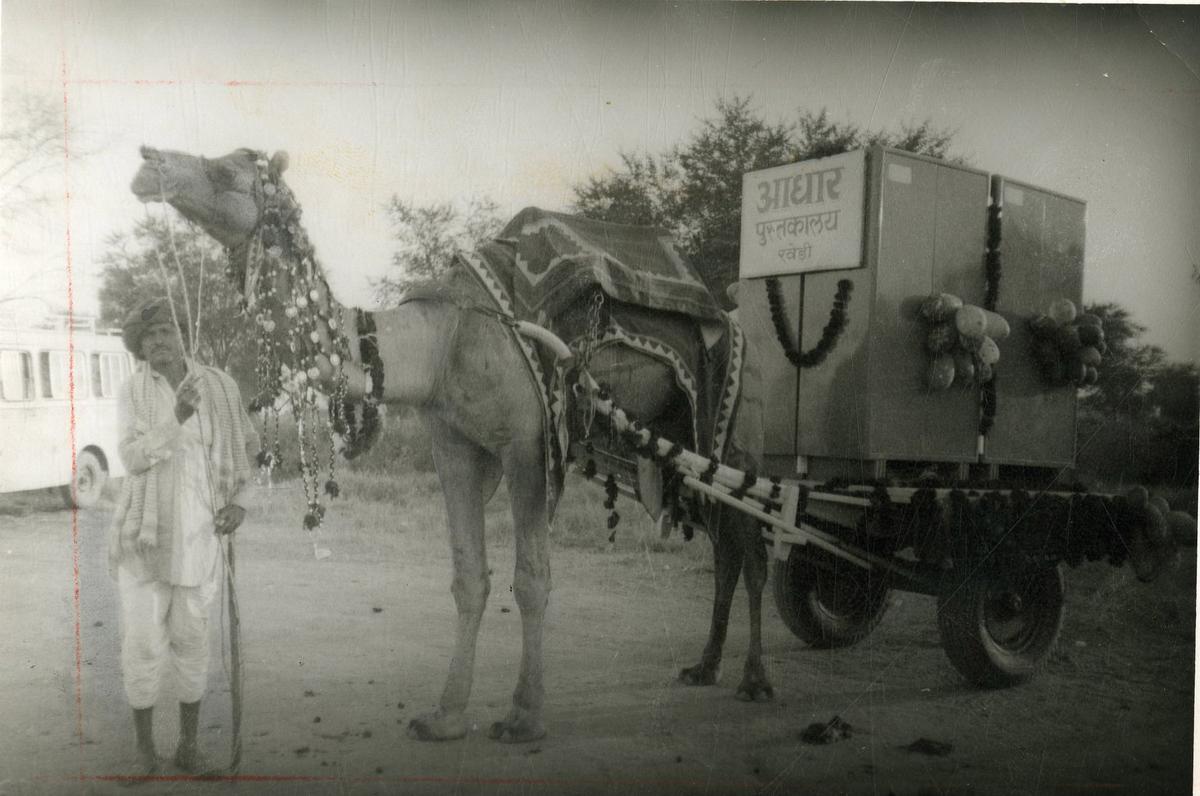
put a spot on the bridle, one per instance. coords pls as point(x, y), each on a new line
point(250, 252)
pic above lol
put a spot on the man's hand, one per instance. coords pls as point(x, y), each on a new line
point(229, 518)
point(187, 398)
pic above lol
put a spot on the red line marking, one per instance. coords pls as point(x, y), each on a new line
point(71, 396)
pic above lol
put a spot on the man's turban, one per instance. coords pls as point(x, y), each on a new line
point(150, 312)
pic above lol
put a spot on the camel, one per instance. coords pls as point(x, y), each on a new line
point(463, 371)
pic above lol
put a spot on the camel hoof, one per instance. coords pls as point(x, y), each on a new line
point(437, 727)
point(755, 692)
point(699, 675)
point(517, 732)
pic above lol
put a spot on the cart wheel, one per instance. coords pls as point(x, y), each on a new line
point(998, 625)
point(90, 477)
point(828, 603)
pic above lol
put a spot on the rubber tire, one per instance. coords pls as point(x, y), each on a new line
point(983, 658)
point(90, 478)
point(802, 590)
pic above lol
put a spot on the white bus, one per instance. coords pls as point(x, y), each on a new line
point(37, 400)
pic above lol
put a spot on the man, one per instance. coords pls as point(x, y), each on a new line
point(183, 439)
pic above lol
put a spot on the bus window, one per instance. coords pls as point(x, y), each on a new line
point(81, 376)
point(96, 379)
point(52, 366)
point(108, 372)
point(112, 368)
point(16, 376)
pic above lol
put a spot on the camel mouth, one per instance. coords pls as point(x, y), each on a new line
point(147, 186)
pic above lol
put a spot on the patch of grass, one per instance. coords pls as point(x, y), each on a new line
point(399, 488)
point(582, 522)
point(393, 487)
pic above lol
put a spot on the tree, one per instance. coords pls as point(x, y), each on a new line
point(32, 141)
point(694, 189)
point(1175, 393)
point(143, 264)
point(428, 237)
point(1139, 423)
point(1128, 367)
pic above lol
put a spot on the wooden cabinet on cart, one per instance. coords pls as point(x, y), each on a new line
point(865, 411)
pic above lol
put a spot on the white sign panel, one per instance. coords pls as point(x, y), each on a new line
point(805, 216)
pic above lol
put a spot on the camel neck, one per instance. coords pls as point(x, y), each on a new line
point(415, 344)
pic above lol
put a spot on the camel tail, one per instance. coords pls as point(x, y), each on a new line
point(547, 338)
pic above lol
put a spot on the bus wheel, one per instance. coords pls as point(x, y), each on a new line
point(90, 477)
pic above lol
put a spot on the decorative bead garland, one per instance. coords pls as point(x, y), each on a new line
point(829, 335)
point(281, 248)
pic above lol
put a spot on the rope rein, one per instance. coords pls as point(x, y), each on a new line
point(234, 670)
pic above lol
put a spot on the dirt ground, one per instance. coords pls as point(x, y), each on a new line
point(340, 653)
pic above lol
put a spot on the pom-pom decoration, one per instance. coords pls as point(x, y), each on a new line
point(1068, 347)
point(940, 307)
point(961, 341)
point(971, 321)
point(941, 372)
point(1062, 311)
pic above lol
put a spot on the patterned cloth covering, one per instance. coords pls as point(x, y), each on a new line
point(136, 515)
point(548, 267)
point(551, 258)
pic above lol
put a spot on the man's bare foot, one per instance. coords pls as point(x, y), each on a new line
point(192, 761)
point(145, 764)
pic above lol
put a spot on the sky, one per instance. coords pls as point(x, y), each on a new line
point(520, 101)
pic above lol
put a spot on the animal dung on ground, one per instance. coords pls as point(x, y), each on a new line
point(827, 732)
point(928, 746)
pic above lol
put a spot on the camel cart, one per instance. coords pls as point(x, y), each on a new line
point(921, 350)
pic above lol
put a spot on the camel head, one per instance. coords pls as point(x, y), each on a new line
point(223, 195)
point(240, 199)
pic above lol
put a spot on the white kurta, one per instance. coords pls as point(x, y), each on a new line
point(166, 595)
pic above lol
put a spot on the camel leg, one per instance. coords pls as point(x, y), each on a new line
point(531, 588)
point(727, 566)
point(754, 686)
point(463, 469)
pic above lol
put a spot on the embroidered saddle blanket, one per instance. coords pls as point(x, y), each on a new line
point(547, 268)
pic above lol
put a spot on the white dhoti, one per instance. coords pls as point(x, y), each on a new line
point(167, 590)
point(164, 627)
